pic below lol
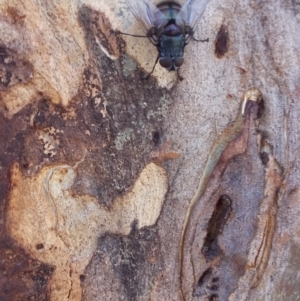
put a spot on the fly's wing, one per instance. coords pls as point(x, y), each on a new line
point(191, 12)
point(147, 14)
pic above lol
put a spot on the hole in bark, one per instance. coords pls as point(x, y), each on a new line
point(216, 224)
point(39, 246)
point(208, 285)
point(156, 138)
point(24, 162)
point(214, 287)
point(214, 297)
point(205, 277)
point(82, 277)
point(264, 157)
point(261, 108)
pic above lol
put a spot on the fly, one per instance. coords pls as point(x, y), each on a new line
point(169, 26)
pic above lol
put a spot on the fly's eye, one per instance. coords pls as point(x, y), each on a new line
point(166, 62)
point(178, 61)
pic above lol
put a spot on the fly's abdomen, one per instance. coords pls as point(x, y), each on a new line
point(169, 9)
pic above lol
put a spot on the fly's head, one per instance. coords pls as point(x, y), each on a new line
point(171, 63)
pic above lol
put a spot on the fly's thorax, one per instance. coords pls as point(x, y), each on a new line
point(171, 46)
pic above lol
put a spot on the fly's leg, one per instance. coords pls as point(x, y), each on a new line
point(178, 75)
point(128, 34)
point(189, 35)
point(152, 40)
point(151, 35)
point(148, 75)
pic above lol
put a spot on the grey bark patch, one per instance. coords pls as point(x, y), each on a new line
point(134, 262)
point(122, 104)
point(13, 69)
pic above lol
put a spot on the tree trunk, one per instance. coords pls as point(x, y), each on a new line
point(113, 187)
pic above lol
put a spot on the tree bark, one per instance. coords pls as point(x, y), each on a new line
point(117, 188)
